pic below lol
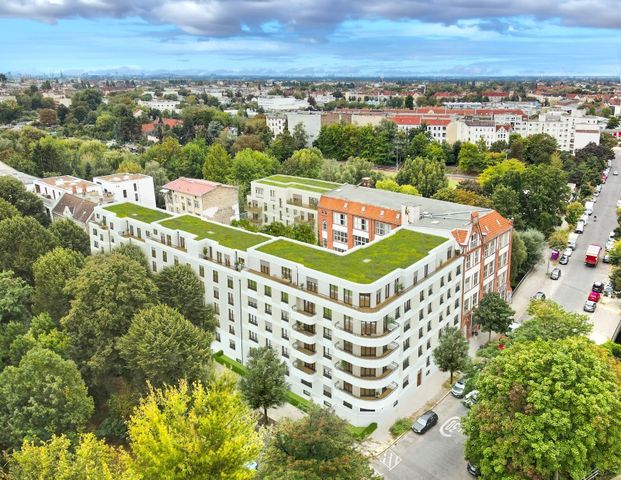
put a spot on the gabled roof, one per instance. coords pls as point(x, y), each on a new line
point(80, 209)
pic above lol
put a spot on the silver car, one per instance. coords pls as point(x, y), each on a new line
point(458, 389)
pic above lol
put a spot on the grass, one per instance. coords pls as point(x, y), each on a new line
point(132, 210)
point(225, 236)
point(400, 427)
point(360, 433)
point(364, 265)
point(311, 184)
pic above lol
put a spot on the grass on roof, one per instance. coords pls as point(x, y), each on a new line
point(225, 236)
point(311, 184)
point(132, 210)
point(364, 265)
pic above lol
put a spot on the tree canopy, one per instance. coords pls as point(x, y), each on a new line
point(71, 236)
point(451, 354)
point(493, 314)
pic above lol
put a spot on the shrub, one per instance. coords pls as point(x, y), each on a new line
point(400, 427)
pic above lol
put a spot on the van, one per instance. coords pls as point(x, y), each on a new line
point(588, 208)
point(579, 229)
point(572, 239)
point(585, 218)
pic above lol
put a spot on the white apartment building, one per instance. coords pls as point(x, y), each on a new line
point(133, 187)
point(161, 104)
point(286, 199)
point(356, 330)
point(277, 103)
point(310, 121)
point(276, 123)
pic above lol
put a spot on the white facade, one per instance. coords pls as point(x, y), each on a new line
point(311, 122)
point(160, 104)
point(276, 123)
point(281, 103)
point(132, 187)
point(358, 348)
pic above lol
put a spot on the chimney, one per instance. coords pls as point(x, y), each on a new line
point(474, 218)
point(365, 182)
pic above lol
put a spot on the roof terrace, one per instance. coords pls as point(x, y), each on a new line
point(309, 184)
point(138, 212)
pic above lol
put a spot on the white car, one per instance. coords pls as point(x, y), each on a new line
point(610, 244)
point(611, 236)
point(568, 251)
point(615, 172)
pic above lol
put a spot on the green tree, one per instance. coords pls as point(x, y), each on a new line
point(264, 385)
point(44, 395)
point(427, 176)
point(546, 409)
point(206, 431)
point(180, 288)
point(559, 238)
point(300, 137)
point(135, 253)
point(518, 256)
point(409, 102)
point(27, 203)
point(304, 163)
point(107, 293)
point(355, 169)
point(190, 161)
point(217, 166)
point(451, 354)
point(506, 201)
point(22, 241)
point(129, 166)
point(462, 196)
point(471, 159)
point(539, 148)
point(162, 347)
point(71, 236)
point(243, 142)
point(15, 298)
point(493, 314)
point(7, 210)
point(160, 178)
point(575, 210)
point(615, 280)
point(315, 447)
point(496, 172)
point(282, 147)
point(91, 459)
point(534, 242)
point(249, 165)
point(549, 321)
point(51, 273)
point(387, 184)
point(43, 332)
point(303, 233)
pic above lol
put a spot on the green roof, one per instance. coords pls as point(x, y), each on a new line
point(138, 212)
point(225, 236)
point(364, 265)
point(310, 184)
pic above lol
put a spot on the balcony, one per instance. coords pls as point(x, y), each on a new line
point(301, 315)
point(304, 221)
point(305, 354)
point(129, 235)
point(299, 203)
point(379, 394)
point(367, 361)
point(253, 208)
point(302, 335)
point(379, 380)
point(306, 372)
point(392, 326)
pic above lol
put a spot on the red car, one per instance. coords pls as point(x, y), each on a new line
point(594, 296)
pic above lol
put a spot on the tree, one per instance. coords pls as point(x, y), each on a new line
point(249, 165)
point(135, 253)
point(614, 254)
point(493, 314)
point(22, 241)
point(217, 166)
point(451, 354)
point(92, 459)
point(41, 333)
point(282, 147)
point(180, 288)
point(409, 102)
point(315, 447)
point(539, 148)
point(534, 241)
point(549, 321)
point(244, 142)
point(506, 201)
point(304, 163)
point(198, 431)
point(160, 178)
point(494, 173)
point(462, 196)
point(546, 409)
point(71, 236)
point(427, 176)
point(129, 166)
point(575, 210)
point(107, 293)
point(355, 169)
point(27, 203)
point(615, 280)
point(15, 298)
point(264, 385)
point(47, 116)
point(559, 238)
point(300, 137)
point(7, 210)
point(613, 122)
point(162, 347)
point(303, 233)
point(51, 273)
point(44, 395)
point(518, 256)
point(470, 159)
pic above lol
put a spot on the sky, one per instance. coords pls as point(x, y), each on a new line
point(342, 38)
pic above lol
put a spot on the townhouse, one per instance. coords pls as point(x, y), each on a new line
point(356, 330)
point(133, 187)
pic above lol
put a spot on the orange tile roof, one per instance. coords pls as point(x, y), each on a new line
point(460, 235)
point(493, 224)
point(385, 215)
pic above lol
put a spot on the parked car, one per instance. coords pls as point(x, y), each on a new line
point(589, 306)
point(564, 260)
point(611, 235)
point(458, 389)
point(615, 173)
point(567, 252)
point(539, 296)
point(594, 296)
point(610, 244)
point(472, 470)
point(597, 287)
point(425, 422)
point(471, 398)
point(606, 258)
point(556, 274)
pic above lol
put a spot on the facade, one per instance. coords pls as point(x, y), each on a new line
point(350, 216)
point(355, 330)
point(286, 199)
point(51, 190)
point(276, 123)
point(207, 199)
point(133, 187)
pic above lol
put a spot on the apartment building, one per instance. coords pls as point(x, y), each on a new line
point(276, 123)
point(356, 330)
point(52, 189)
point(211, 200)
point(286, 199)
point(350, 216)
point(133, 187)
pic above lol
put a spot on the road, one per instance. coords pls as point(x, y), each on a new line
point(438, 454)
point(572, 289)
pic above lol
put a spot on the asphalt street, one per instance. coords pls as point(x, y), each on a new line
point(438, 454)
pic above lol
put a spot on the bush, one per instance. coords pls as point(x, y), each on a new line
point(400, 427)
point(229, 363)
point(298, 401)
point(360, 433)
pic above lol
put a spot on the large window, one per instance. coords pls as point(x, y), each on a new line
point(340, 219)
point(339, 236)
point(364, 300)
point(358, 240)
point(361, 224)
point(347, 294)
point(381, 228)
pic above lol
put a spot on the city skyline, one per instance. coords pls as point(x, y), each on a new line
point(344, 39)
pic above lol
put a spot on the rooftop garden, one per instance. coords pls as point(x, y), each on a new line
point(364, 265)
point(309, 184)
point(224, 235)
point(138, 212)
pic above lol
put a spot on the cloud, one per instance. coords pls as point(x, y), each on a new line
point(234, 17)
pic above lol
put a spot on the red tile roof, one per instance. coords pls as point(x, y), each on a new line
point(364, 210)
point(192, 186)
point(166, 122)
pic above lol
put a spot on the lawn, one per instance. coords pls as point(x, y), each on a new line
point(132, 210)
point(225, 236)
point(310, 184)
point(364, 265)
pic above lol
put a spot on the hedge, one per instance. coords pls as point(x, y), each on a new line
point(360, 433)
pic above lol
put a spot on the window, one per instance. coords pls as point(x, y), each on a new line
point(378, 297)
point(252, 319)
point(229, 282)
point(253, 336)
point(201, 271)
point(311, 285)
point(231, 315)
point(268, 327)
point(285, 351)
point(347, 294)
point(153, 264)
point(348, 324)
point(164, 256)
point(407, 306)
point(328, 374)
point(364, 300)
point(381, 228)
point(284, 316)
point(358, 240)
point(361, 224)
point(368, 328)
point(230, 298)
point(252, 285)
point(268, 309)
point(284, 297)
point(339, 236)
point(267, 291)
point(232, 329)
point(216, 293)
point(334, 292)
point(340, 219)
point(327, 353)
point(327, 313)
point(406, 363)
point(252, 303)
point(367, 352)
point(285, 273)
point(327, 333)
point(324, 226)
point(153, 253)
point(265, 268)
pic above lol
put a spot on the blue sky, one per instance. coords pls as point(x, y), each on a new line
point(313, 37)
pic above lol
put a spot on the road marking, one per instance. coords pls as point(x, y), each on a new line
point(390, 459)
point(450, 427)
